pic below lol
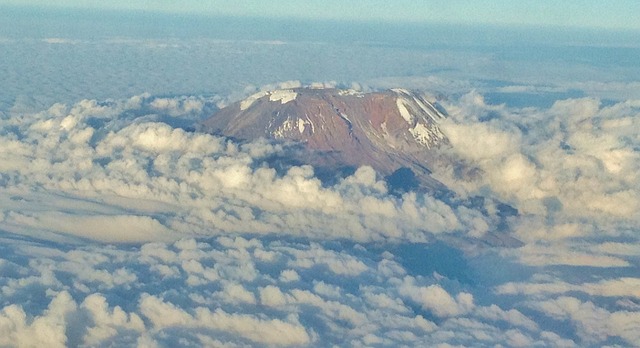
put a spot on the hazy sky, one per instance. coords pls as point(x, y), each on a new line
point(576, 13)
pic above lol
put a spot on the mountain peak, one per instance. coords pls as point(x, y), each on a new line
point(386, 130)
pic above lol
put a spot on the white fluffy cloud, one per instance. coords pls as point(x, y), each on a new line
point(271, 332)
point(436, 299)
point(575, 161)
point(237, 253)
point(48, 329)
point(593, 323)
point(223, 291)
point(144, 181)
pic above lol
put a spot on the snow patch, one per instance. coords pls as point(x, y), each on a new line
point(349, 91)
point(245, 104)
point(345, 117)
point(428, 109)
point(290, 125)
point(310, 123)
point(423, 134)
point(283, 96)
point(286, 126)
point(401, 91)
point(386, 136)
point(403, 111)
point(347, 120)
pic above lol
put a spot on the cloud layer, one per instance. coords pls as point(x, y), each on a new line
point(131, 181)
point(214, 247)
point(237, 291)
point(573, 162)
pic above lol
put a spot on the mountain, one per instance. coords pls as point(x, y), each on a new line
point(394, 131)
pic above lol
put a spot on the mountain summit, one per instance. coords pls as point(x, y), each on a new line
point(391, 131)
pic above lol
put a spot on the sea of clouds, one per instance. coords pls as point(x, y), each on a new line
point(119, 227)
point(122, 226)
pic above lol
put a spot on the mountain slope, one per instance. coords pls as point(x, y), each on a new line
point(338, 128)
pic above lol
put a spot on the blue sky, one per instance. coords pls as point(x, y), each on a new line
point(613, 14)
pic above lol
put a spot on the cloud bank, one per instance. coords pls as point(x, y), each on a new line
point(231, 291)
point(120, 226)
point(132, 181)
point(576, 161)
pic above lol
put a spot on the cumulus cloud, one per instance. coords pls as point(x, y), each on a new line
point(273, 332)
point(144, 181)
point(593, 323)
point(240, 298)
point(48, 329)
point(107, 323)
point(178, 106)
point(129, 172)
point(512, 316)
point(436, 299)
point(573, 161)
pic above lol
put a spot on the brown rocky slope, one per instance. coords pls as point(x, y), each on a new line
point(339, 128)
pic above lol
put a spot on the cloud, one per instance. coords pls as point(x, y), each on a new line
point(107, 323)
point(57, 40)
point(223, 290)
point(337, 263)
point(235, 252)
point(236, 293)
point(436, 299)
point(144, 181)
point(484, 144)
point(178, 106)
point(619, 287)
point(616, 248)
point(615, 90)
point(104, 228)
point(512, 316)
point(289, 275)
point(594, 324)
point(273, 332)
point(538, 255)
point(572, 161)
point(529, 89)
point(47, 329)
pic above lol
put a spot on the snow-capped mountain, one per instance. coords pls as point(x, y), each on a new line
point(341, 128)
